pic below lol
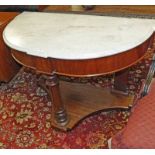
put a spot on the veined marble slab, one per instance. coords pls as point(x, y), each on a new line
point(75, 36)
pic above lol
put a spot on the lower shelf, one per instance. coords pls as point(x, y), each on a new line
point(81, 100)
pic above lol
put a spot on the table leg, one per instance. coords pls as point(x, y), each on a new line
point(59, 112)
point(120, 82)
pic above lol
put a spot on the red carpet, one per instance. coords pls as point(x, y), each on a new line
point(25, 114)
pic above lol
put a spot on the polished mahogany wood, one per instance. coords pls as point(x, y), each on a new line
point(73, 102)
point(8, 66)
point(121, 82)
point(87, 67)
point(51, 85)
point(81, 100)
point(58, 111)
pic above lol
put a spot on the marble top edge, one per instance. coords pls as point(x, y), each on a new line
point(109, 15)
point(39, 50)
point(93, 56)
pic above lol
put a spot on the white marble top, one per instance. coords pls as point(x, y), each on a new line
point(74, 36)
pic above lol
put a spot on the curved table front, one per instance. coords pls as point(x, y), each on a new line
point(77, 45)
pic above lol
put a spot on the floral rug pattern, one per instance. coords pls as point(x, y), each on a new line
point(25, 114)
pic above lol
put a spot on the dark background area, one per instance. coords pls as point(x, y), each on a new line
point(19, 8)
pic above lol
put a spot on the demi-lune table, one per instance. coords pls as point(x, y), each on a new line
point(80, 46)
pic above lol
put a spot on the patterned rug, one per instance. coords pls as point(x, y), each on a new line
point(25, 114)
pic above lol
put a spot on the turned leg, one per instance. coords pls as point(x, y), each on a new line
point(59, 112)
point(51, 85)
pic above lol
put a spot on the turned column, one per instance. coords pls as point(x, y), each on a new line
point(59, 112)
